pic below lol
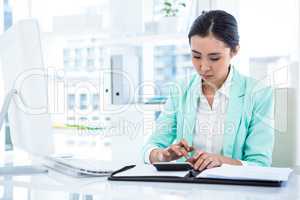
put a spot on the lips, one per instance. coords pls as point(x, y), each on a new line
point(206, 76)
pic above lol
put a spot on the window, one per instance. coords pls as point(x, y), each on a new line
point(78, 64)
point(67, 54)
point(83, 118)
point(170, 62)
point(78, 53)
point(90, 52)
point(8, 17)
point(95, 118)
point(95, 101)
point(83, 101)
point(90, 65)
point(71, 101)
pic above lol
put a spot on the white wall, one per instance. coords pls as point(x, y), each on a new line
point(298, 94)
point(125, 20)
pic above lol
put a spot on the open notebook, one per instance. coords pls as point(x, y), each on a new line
point(226, 174)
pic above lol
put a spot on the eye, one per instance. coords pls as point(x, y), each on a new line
point(214, 59)
point(196, 57)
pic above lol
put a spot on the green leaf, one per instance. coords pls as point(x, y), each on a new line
point(183, 4)
point(168, 4)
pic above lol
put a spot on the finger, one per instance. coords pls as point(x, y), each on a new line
point(166, 153)
point(195, 157)
point(198, 154)
point(200, 158)
point(160, 156)
point(184, 144)
point(213, 164)
point(204, 155)
point(198, 163)
point(205, 163)
point(175, 149)
point(184, 152)
point(170, 154)
point(191, 160)
point(166, 156)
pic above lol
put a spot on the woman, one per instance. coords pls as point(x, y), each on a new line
point(219, 116)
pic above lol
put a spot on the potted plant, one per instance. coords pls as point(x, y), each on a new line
point(170, 11)
point(171, 8)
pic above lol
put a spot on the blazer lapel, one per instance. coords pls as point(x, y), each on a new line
point(234, 113)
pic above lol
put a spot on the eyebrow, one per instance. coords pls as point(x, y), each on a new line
point(210, 54)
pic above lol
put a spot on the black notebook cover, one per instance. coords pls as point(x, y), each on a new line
point(190, 178)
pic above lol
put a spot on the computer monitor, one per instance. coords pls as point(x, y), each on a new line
point(21, 62)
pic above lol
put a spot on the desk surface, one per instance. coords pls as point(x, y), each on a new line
point(60, 187)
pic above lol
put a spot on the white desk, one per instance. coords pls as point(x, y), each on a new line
point(60, 187)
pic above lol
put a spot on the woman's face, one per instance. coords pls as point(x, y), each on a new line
point(211, 58)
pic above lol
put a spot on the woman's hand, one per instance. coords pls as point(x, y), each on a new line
point(203, 160)
point(173, 152)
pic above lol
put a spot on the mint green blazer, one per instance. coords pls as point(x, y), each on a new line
point(248, 129)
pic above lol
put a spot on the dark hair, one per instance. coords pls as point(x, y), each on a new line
point(219, 23)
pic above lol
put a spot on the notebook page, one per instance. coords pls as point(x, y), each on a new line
point(150, 170)
point(247, 173)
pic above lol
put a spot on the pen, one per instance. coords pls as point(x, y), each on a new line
point(187, 156)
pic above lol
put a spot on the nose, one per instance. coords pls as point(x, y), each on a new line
point(204, 68)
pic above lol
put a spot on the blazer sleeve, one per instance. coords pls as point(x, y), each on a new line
point(166, 125)
point(259, 142)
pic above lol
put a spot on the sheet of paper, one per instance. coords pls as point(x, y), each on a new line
point(150, 170)
point(247, 173)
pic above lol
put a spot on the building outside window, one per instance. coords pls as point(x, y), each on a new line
point(78, 53)
point(83, 102)
point(71, 101)
point(8, 17)
point(170, 63)
point(95, 101)
point(90, 52)
point(90, 65)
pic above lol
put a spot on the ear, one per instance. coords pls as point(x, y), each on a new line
point(234, 51)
